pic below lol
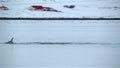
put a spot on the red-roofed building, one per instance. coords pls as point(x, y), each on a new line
point(3, 8)
point(42, 8)
point(37, 7)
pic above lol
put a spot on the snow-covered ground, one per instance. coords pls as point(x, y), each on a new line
point(84, 8)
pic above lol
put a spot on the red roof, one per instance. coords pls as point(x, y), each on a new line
point(38, 7)
point(3, 7)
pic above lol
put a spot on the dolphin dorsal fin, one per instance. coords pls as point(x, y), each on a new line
point(11, 41)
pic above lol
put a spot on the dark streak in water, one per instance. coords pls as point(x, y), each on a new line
point(63, 43)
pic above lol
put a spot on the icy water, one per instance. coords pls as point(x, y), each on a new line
point(60, 43)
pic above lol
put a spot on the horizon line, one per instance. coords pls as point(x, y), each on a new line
point(54, 18)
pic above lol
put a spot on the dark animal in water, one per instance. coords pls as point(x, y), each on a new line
point(10, 42)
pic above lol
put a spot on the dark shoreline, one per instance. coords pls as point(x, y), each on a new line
point(8, 18)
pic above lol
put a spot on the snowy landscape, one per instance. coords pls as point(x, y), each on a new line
point(83, 8)
point(60, 43)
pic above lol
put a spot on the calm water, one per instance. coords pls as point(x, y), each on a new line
point(61, 43)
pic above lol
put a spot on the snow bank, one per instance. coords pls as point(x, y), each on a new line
point(84, 8)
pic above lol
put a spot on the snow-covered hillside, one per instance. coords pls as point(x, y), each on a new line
point(84, 8)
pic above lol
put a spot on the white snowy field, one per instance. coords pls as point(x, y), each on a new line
point(99, 43)
point(84, 8)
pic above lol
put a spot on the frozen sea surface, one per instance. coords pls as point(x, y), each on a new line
point(88, 44)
